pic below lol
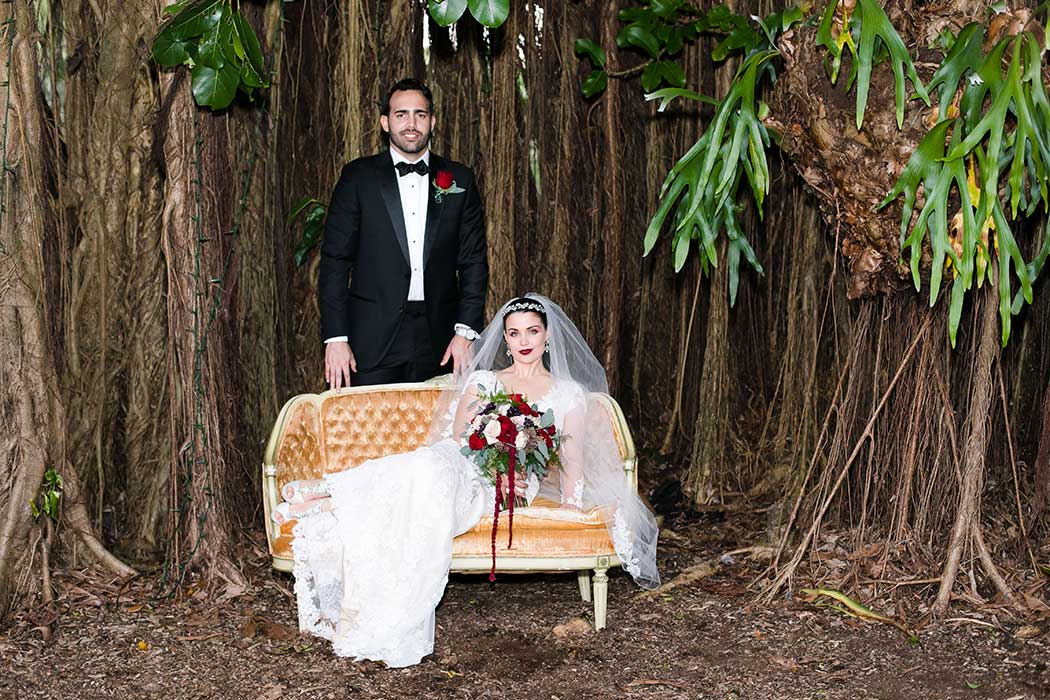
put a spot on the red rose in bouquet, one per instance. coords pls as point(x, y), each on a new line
point(507, 438)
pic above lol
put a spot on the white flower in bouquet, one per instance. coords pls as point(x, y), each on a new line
point(521, 441)
point(492, 431)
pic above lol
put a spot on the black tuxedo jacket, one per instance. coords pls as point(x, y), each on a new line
point(365, 240)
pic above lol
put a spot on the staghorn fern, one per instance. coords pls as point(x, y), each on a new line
point(991, 156)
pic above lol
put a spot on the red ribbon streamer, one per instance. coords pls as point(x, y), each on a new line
point(495, 526)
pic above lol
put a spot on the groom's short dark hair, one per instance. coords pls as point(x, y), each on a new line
point(401, 86)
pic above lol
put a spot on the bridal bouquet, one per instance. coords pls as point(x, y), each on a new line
point(509, 439)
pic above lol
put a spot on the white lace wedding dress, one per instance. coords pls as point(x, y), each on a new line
point(369, 575)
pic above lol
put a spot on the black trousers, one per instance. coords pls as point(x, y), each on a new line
point(410, 358)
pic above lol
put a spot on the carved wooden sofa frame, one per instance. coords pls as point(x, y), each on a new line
point(315, 434)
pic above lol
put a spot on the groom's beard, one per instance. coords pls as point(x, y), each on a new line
point(406, 146)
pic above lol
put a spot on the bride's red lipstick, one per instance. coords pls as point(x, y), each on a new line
point(526, 351)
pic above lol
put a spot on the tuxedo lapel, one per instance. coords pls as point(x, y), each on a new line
point(434, 209)
point(392, 198)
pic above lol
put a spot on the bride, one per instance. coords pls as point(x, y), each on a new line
point(373, 544)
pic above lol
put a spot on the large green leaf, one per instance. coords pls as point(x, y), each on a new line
point(210, 51)
point(491, 13)
point(446, 12)
point(169, 51)
point(215, 88)
point(195, 19)
point(253, 73)
point(640, 37)
point(588, 48)
point(595, 82)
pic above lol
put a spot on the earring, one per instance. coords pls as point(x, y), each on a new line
point(508, 352)
point(547, 346)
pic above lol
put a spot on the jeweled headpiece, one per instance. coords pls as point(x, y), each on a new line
point(525, 306)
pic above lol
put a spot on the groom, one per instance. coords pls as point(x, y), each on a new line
point(407, 228)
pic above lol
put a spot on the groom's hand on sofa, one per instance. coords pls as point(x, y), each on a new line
point(339, 362)
point(458, 351)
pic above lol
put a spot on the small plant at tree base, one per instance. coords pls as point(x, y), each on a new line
point(50, 495)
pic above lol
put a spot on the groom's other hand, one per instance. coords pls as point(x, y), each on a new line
point(458, 350)
point(339, 362)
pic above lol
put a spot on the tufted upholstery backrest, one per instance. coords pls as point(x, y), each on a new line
point(371, 423)
point(316, 434)
point(321, 433)
point(297, 452)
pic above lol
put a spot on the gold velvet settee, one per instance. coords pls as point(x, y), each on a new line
point(316, 434)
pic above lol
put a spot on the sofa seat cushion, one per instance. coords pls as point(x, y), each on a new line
point(540, 530)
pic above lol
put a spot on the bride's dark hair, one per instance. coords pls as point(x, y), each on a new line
point(524, 305)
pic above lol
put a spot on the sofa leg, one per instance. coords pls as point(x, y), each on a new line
point(601, 596)
point(584, 578)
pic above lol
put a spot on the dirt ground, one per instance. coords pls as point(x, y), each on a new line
point(525, 637)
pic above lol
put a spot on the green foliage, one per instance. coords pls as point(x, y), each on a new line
point(50, 494)
point(981, 169)
point(491, 13)
point(313, 226)
point(700, 194)
point(219, 46)
point(863, 29)
point(702, 186)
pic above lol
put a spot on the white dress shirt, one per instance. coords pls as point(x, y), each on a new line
point(414, 189)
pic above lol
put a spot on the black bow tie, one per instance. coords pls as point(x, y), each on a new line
point(404, 168)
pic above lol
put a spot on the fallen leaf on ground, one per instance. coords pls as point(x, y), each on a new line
point(572, 628)
point(143, 646)
point(1027, 632)
point(273, 630)
point(249, 629)
point(271, 692)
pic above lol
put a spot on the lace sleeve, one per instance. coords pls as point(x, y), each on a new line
point(574, 408)
point(465, 407)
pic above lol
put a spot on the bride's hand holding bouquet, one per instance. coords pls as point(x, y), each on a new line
point(510, 441)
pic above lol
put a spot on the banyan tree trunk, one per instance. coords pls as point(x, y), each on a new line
point(32, 417)
point(202, 410)
point(115, 330)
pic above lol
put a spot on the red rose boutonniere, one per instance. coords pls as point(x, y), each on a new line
point(445, 184)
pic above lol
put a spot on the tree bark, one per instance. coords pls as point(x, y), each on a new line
point(31, 415)
point(975, 450)
point(203, 402)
